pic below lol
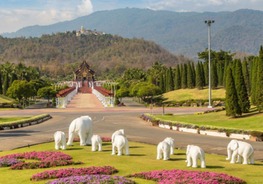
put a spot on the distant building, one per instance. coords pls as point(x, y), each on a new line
point(83, 31)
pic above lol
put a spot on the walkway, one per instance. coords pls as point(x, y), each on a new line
point(85, 100)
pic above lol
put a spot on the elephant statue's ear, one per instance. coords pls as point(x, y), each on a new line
point(234, 145)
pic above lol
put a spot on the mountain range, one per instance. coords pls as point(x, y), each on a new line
point(179, 32)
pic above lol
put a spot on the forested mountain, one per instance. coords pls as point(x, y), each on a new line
point(60, 54)
point(184, 32)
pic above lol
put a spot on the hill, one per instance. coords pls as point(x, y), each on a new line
point(60, 54)
point(181, 33)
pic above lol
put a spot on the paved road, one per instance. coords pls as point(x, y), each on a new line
point(106, 121)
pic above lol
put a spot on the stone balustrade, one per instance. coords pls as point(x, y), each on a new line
point(65, 96)
point(104, 96)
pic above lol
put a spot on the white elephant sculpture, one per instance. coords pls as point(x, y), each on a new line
point(60, 140)
point(120, 142)
point(239, 150)
point(83, 127)
point(193, 153)
point(117, 132)
point(96, 143)
point(163, 151)
point(171, 142)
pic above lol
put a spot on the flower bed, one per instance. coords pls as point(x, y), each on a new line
point(62, 173)
point(93, 179)
point(46, 159)
point(189, 177)
point(7, 162)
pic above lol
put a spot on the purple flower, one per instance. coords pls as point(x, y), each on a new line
point(62, 173)
point(6, 162)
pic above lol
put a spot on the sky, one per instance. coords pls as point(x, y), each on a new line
point(16, 14)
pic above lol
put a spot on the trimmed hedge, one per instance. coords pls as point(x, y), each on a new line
point(26, 122)
point(156, 122)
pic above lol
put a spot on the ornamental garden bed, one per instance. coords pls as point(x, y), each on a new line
point(140, 166)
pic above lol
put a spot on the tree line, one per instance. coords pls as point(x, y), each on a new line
point(241, 79)
point(23, 83)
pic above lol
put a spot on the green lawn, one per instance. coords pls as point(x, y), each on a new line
point(5, 120)
point(219, 120)
point(142, 158)
point(5, 99)
point(187, 94)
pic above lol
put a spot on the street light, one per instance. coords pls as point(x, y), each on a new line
point(209, 22)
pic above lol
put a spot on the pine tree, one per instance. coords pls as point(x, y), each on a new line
point(254, 77)
point(169, 83)
point(202, 73)
point(259, 82)
point(246, 75)
point(226, 65)
point(220, 73)
point(171, 76)
point(243, 99)
point(162, 83)
point(232, 107)
point(1, 88)
point(194, 72)
point(214, 78)
point(190, 76)
point(177, 78)
point(199, 80)
point(184, 76)
point(206, 74)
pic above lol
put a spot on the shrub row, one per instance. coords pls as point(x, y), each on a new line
point(195, 103)
point(22, 123)
point(156, 122)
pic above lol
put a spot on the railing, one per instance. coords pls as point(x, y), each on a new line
point(65, 96)
point(105, 96)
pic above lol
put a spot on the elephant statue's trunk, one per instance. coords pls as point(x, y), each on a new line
point(229, 154)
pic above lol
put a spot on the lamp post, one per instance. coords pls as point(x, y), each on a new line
point(209, 22)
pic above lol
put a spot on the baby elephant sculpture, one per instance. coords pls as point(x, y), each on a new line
point(163, 151)
point(83, 127)
point(60, 140)
point(120, 142)
point(96, 143)
point(193, 153)
point(241, 151)
point(117, 132)
point(171, 142)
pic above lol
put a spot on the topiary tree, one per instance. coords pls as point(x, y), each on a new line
point(232, 106)
point(259, 82)
point(243, 99)
point(177, 78)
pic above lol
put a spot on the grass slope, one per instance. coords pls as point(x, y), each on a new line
point(187, 94)
point(219, 120)
point(142, 158)
point(5, 99)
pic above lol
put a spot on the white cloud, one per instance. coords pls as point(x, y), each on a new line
point(85, 7)
point(52, 12)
